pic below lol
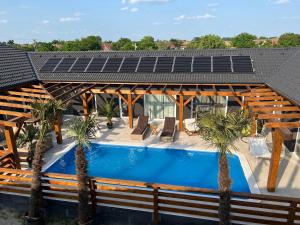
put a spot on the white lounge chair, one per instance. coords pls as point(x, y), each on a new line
point(259, 147)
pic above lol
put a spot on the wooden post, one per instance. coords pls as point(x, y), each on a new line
point(130, 114)
point(57, 129)
point(275, 159)
point(253, 126)
point(181, 108)
point(85, 105)
point(292, 213)
point(155, 216)
point(11, 145)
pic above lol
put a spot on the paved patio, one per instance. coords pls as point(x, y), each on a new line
point(289, 174)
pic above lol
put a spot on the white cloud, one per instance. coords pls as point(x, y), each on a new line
point(197, 17)
point(3, 21)
point(124, 8)
point(45, 21)
point(213, 4)
point(2, 12)
point(281, 2)
point(69, 19)
point(78, 14)
point(134, 10)
point(144, 1)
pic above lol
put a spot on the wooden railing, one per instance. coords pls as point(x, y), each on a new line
point(7, 160)
point(158, 198)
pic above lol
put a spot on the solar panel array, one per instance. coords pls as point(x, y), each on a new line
point(180, 64)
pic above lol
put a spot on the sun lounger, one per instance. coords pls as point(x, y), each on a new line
point(140, 131)
point(259, 147)
point(168, 132)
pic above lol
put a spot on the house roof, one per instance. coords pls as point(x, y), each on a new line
point(15, 67)
point(278, 67)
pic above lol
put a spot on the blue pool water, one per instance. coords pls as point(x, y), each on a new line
point(154, 165)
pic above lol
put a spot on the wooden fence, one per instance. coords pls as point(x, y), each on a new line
point(157, 198)
point(7, 160)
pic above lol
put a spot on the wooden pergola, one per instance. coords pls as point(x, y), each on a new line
point(278, 112)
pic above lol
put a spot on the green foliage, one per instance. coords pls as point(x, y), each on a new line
point(289, 40)
point(162, 45)
point(90, 43)
point(123, 44)
point(244, 40)
point(109, 109)
point(45, 47)
point(220, 130)
point(176, 42)
point(82, 129)
point(265, 44)
point(207, 42)
point(147, 43)
point(45, 112)
point(28, 136)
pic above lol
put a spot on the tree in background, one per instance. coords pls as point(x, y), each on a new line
point(90, 43)
point(176, 43)
point(207, 41)
point(244, 40)
point(147, 43)
point(162, 45)
point(289, 40)
point(123, 44)
point(44, 47)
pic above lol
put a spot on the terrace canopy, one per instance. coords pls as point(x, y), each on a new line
point(254, 78)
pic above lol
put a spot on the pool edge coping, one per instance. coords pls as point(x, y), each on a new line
point(252, 184)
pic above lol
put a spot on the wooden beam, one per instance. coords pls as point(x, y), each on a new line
point(279, 116)
point(80, 93)
point(164, 88)
point(278, 109)
point(180, 89)
point(11, 145)
point(13, 113)
point(172, 97)
point(265, 103)
point(130, 113)
point(60, 88)
point(235, 96)
point(105, 87)
point(32, 90)
point(181, 110)
point(119, 88)
point(57, 128)
point(8, 123)
point(270, 98)
point(133, 88)
point(14, 105)
point(18, 99)
point(263, 94)
point(149, 88)
point(85, 105)
point(123, 98)
point(69, 91)
point(137, 98)
point(282, 124)
point(28, 94)
point(253, 125)
point(189, 99)
point(275, 160)
point(261, 90)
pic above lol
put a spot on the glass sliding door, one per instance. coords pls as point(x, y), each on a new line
point(159, 106)
point(214, 104)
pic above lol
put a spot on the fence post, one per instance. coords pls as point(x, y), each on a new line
point(155, 216)
point(292, 213)
point(93, 188)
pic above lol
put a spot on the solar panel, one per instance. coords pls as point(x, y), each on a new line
point(146, 64)
point(65, 65)
point(202, 64)
point(129, 65)
point(80, 65)
point(164, 64)
point(242, 64)
point(96, 65)
point(112, 65)
point(221, 64)
point(50, 65)
point(182, 64)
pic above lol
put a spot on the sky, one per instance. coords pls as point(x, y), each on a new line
point(46, 20)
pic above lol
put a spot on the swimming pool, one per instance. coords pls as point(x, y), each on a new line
point(154, 165)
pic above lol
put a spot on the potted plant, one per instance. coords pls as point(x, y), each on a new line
point(28, 139)
point(109, 110)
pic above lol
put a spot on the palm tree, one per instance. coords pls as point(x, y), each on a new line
point(109, 110)
point(81, 129)
point(222, 131)
point(45, 112)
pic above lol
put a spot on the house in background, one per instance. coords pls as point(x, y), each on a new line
point(159, 84)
